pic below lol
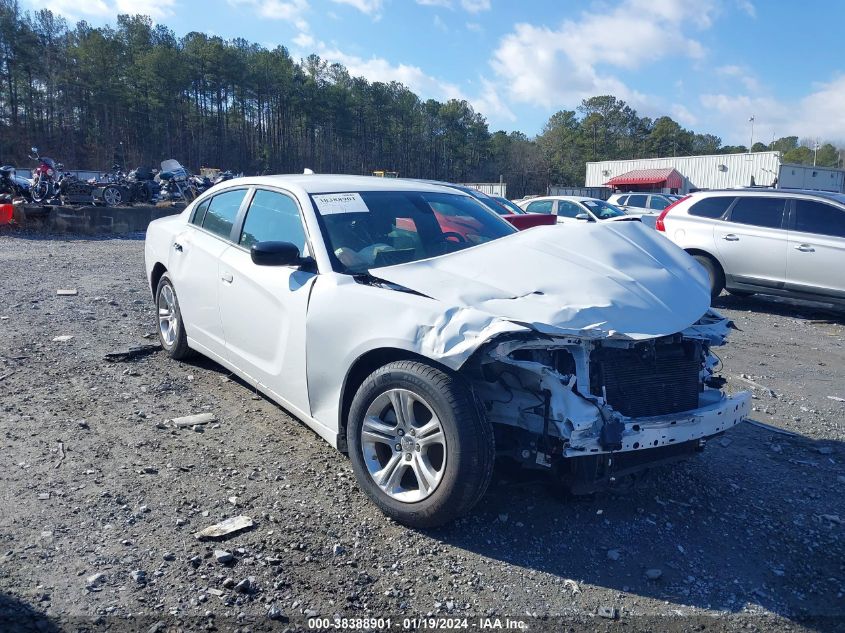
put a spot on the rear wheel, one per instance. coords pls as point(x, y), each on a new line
point(171, 329)
point(418, 446)
point(714, 273)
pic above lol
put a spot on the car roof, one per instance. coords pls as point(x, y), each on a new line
point(754, 191)
point(331, 183)
point(571, 198)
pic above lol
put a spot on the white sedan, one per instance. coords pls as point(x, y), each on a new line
point(570, 209)
point(423, 335)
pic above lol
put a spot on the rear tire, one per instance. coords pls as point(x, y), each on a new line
point(432, 461)
point(714, 272)
point(171, 328)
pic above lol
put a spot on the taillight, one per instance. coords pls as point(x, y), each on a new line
point(659, 224)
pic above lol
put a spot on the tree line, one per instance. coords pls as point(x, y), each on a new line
point(135, 93)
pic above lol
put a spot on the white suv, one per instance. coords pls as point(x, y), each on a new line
point(780, 242)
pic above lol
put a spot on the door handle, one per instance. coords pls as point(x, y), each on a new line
point(730, 237)
point(805, 248)
point(227, 278)
point(177, 246)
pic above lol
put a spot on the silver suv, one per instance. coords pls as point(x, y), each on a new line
point(779, 242)
point(644, 202)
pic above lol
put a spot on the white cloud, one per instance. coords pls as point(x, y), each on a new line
point(156, 9)
point(554, 66)
point(304, 40)
point(741, 74)
point(370, 7)
point(474, 27)
point(748, 7)
point(683, 116)
point(74, 10)
point(475, 6)
point(292, 11)
point(440, 24)
point(818, 114)
point(446, 4)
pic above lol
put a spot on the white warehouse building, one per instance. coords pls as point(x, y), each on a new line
point(683, 174)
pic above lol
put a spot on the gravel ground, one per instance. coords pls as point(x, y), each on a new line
point(101, 498)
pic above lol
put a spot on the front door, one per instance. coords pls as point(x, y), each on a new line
point(263, 308)
point(815, 260)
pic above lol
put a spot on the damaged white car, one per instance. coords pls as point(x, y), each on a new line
point(419, 332)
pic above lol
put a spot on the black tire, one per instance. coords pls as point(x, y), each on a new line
point(714, 272)
point(469, 443)
point(42, 192)
point(178, 348)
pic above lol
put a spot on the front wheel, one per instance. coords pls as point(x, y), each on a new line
point(42, 191)
point(418, 445)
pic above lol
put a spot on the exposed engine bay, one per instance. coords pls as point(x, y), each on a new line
point(557, 399)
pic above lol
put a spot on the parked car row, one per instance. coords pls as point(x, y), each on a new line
point(415, 328)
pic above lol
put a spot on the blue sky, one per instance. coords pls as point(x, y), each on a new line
point(710, 64)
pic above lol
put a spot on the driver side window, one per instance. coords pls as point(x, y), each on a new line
point(272, 217)
point(568, 209)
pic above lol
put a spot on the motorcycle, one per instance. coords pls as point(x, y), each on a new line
point(11, 185)
point(44, 177)
point(175, 182)
point(117, 187)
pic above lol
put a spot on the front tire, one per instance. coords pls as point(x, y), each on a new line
point(418, 445)
point(714, 273)
point(113, 196)
point(171, 328)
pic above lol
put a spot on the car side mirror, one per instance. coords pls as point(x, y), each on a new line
point(275, 254)
point(584, 216)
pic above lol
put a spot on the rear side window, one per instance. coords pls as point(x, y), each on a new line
point(658, 203)
point(819, 218)
point(222, 212)
point(199, 213)
point(637, 201)
point(766, 212)
point(714, 207)
point(540, 206)
point(622, 200)
point(272, 217)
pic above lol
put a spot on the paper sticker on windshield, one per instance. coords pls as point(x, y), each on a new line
point(329, 203)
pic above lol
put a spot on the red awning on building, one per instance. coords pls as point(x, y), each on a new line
point(668, 178)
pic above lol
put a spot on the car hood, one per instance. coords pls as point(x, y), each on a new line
point(593, 279)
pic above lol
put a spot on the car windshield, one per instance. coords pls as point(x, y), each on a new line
point(487, 201)
point(510, 206)
point(371, 229)
point(603, 210)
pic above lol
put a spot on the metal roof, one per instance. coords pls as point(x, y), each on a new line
point(668, 175)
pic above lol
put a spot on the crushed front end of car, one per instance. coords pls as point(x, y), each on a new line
point(596, 409)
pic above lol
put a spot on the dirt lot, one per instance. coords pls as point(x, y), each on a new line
point(100, 498)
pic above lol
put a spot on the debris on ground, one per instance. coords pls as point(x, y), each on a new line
point(63, 338)
point(653, 574)
point(611, 613)
point(66, 292)
point(222, 556)
point(136, 351)
point(224, 528)
point(193, 420)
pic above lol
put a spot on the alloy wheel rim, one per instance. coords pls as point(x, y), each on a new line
point(168, 321)
point(403, 445)
point(112, 195)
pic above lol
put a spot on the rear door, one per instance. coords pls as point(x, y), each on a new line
point(541, 206)
point(194, 267)
point(637, 200)
point(815, 259)
point(263, 307)
point(752, 241)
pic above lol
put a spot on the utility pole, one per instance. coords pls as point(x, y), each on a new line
point(815, 151)
point(751, 142)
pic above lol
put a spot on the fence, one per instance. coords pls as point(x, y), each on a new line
point(602, 193)
point(490, 188)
